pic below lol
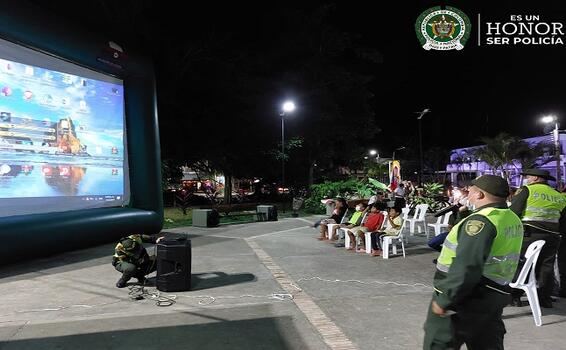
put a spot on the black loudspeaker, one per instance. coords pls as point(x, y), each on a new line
point(173, 265)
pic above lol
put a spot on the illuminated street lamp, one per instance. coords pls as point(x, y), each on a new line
point(288, 107)
point(552, 119)
point(373, 153)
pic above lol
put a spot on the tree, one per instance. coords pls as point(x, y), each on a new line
point(171, 173)
point(461, 158)
point(533, 155)
point(504, 151)
point(221, 75)
point(498, 152)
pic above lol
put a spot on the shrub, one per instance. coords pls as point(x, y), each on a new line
point(348, 189)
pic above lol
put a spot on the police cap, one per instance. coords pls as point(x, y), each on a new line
point(540, 173)
point(492, 184)
point(128, 243)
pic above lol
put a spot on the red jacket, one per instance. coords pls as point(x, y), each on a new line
point(374, 221)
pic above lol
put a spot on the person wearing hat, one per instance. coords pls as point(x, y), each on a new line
point(132, 260)
point(541, 208)
point(477, 262)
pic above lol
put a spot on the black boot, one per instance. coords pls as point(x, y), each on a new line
point(545, 302)
point(140, 276)
point(122, 282)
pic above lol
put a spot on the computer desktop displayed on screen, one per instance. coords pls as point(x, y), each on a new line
point(62, 135)
point(79, 139)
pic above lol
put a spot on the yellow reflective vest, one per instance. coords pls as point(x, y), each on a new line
point(544, 204)
point(501, 264)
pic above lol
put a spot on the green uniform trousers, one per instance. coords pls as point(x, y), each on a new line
point(130, 270)
point(477, 323)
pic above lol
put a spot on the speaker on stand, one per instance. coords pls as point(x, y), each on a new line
point(173, 265)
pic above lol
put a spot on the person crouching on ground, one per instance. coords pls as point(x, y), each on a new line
point(132, 260)
point(392, 227)
point(373, 222)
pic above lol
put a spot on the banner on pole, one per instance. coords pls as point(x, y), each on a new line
point(394, 174)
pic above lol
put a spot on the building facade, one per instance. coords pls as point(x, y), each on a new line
point(463, 167)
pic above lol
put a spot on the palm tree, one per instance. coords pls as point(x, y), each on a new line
point(498, 152)
point(505, 150)
point(459, 158)
point(534, 155)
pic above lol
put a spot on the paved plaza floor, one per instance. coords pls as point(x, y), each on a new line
point(267, 285)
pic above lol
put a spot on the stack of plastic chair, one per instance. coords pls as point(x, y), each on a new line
point(530, 287)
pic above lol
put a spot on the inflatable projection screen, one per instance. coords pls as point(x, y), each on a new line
point(79, 141)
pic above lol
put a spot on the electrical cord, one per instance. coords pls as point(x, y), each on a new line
point(141, 292)
point(59, 308)
point(399, 284)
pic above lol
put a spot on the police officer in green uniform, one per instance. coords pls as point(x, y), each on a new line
point(477, 262)
point(541, 208)
point(132, 260)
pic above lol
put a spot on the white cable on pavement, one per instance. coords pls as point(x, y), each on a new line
point(139, 292)
point(399, 284)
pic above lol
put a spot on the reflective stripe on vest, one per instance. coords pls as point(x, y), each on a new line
point(504, 254)
point(544, 204)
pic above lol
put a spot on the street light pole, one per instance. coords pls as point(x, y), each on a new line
point(420, 152)
point(288, 107)
point(283, 150)
point(397, 149)
point(421, 115)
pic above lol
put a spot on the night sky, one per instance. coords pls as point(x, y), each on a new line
point(479, 91)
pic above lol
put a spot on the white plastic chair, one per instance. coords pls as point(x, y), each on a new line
point(418, 218)
point(530, 287)
point(368, 234)
point(347, 236)
point(405, 213)
point(441, 222)
point(331, 226)
point(392, 241)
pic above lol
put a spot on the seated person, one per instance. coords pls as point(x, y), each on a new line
point(379, 199)
point(392, 227)
point(437, 241)
point(354, 221)
point(336, 218)
point(132, 260)
point(373, 222)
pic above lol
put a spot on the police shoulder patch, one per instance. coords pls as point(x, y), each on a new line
point(473, 227)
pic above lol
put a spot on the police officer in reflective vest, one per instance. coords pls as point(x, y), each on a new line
point(540, 208)
point(132, 260)
point(477, 262)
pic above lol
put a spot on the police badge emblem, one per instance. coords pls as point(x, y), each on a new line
point(439, 29)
